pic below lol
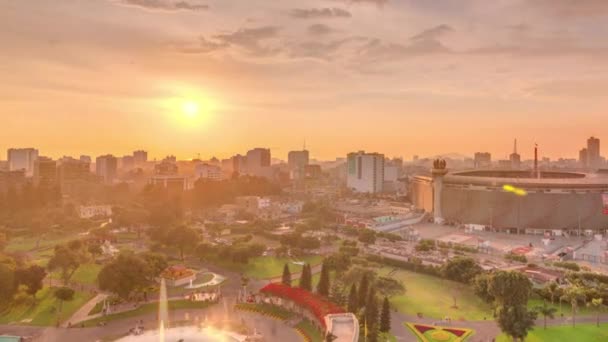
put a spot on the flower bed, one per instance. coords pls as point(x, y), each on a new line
point(308, 332)
point(269, 310)
point(430, 333)
point(317, 305)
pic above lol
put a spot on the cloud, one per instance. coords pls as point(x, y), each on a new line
point(253, 41)
point(319, 13)
point(432, 33)
point(373, 2)
point(320, 50)
point(585, 88)
point(320, 29)
point(165, 5)
point(571, 8)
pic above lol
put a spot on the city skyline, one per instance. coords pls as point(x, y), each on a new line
point(222, 76)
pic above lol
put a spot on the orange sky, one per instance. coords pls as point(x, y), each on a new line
point(398, 77)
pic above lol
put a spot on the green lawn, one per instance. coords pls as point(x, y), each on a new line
point(432, 297)
point(146, 309)
point(582, 333)
point(566, 308)
point(272, 267)
point(86, 274)
point(45, 310)
point(25, 244)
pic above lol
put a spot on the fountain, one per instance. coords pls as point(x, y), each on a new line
point(186, 333)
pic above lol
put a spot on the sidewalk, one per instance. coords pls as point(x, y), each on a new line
point(83, 313)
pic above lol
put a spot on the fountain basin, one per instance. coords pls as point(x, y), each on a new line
point(186, 334)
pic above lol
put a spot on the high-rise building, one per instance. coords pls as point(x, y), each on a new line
point(45, 171)
point(106, 168)
point(583, 158)
point(297, 161)
point(85, 159)
point(514, 157)
point(208, 172)
point(70, 169)
point(127, 163)
point(22, 159)
point(258, 162)
point(593, 153)
point(239, 163)
point(365, 172)
point(483, 159)
point(140, 158)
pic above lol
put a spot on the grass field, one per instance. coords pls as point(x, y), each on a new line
point(582, 333)
point(566, 308)
point(86, 274)
point(26, 244)
point(271, 267)
point(45, 311)
point(146, 309)
point(432, 297)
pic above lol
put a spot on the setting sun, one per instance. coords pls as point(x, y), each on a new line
point(190, 108)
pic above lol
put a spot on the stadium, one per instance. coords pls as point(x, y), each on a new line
point(515, 200)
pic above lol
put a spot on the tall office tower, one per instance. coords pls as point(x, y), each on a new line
point(45, 171)
point(106, 168)
point(515, 158)
point(483, 159)
point(593, 153)
point(297, 161)
point(258, 162)
point(70, 169)
point(140, 158)
point(365, 172)
point(239, 164)
point(127, 163)
point(22, 159)
point(583, 158)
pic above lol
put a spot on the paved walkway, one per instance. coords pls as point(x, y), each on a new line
point(83, 313)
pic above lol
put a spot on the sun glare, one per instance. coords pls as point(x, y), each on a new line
point(190, 108)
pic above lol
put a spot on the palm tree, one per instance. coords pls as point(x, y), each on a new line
point(546, 312)
point(597, 303)
point(572, 294)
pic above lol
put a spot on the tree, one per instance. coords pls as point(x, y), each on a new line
point(66, 260)
point(367, 236)
point(363, 291)
point(323, 286)
point(63, 294)
point(389, 287)
point(32, 277)
point(3, 241)
point(125, 275)
point(573, 294)
point(7, 283)
point(481, 287)
point(156, 263)
point(371, 310)
point(306, 278)
point(461, 269)
point(546, 311)
point(95, 250)
point(516, 321)
point(385, 316)
point(597, 303)
point(286, 279)
point(511, 291)
point(353, 305)
point(183, 238)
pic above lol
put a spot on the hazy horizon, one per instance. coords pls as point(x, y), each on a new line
point(220, 77)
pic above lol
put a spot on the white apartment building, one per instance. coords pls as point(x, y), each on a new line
point(208, 172)
point(22, 159)
point(365, 172)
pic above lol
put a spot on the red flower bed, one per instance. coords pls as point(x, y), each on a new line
point(317, 305)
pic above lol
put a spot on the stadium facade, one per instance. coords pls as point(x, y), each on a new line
point(516, 200)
